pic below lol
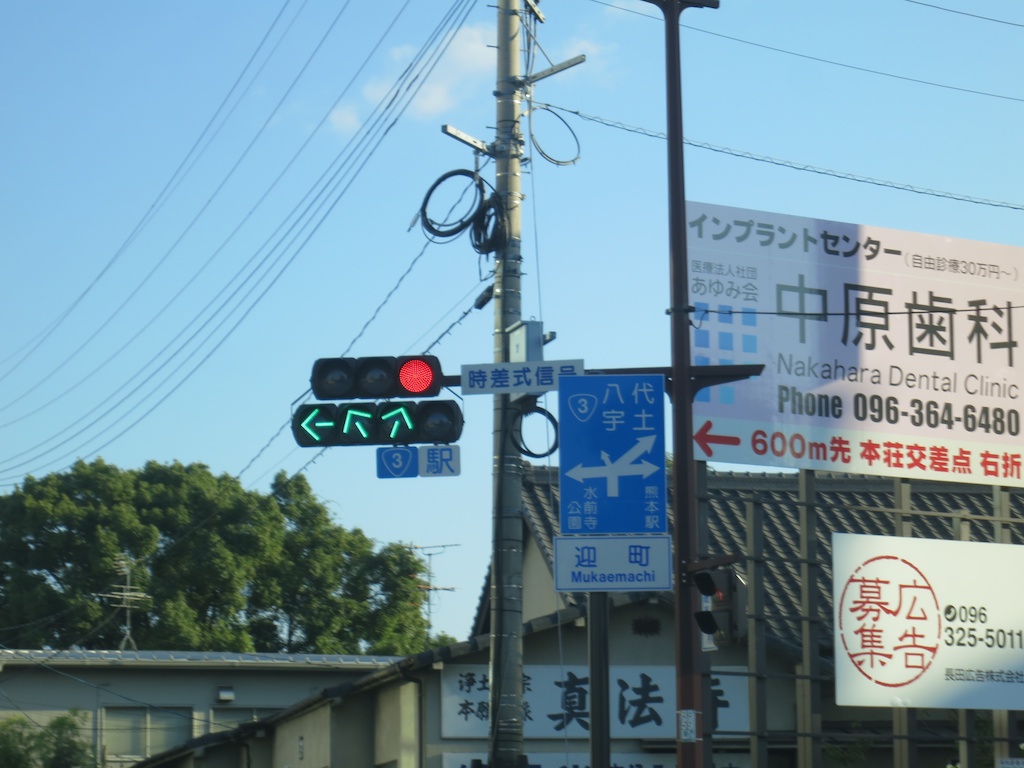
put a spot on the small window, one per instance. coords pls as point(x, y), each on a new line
point(139, 732)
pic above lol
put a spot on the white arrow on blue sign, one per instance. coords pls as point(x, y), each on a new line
point(612, 443)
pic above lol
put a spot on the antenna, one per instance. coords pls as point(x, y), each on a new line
point(127, 597)
point(429, 551)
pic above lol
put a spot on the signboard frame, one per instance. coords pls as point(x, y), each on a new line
point(911, 631)
point(886, 352)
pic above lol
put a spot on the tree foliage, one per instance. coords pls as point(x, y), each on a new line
point(225, 569)
point(58, 744)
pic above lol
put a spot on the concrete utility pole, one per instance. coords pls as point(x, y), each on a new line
point(506, 669)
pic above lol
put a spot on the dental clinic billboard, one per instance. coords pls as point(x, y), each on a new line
point(914, 628)
point(885, 352)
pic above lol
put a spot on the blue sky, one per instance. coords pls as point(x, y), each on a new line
point(147, 170)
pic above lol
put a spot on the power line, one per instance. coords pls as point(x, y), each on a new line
point(964, 13)
point(819, 59)
point(791, 164)
point(332, 187)
point(184, 166)
point(174, 245)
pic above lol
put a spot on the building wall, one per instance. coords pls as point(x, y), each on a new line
point(352, 733)
point(135, 709)
point(304, 741)
point(539, 596)
point(397, 741)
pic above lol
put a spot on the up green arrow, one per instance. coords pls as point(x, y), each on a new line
point(398, 416)
point(358, 420)
point(309, 423)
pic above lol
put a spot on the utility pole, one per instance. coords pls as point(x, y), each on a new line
point(505, 703)
point(687, 380)
point(506, 669)
point(429, 550)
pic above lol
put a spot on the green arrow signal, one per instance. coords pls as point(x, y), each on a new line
point(399, 415)
point(308, 423)
point(358, 420)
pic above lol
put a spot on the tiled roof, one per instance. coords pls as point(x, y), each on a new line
point(224, 659)
point(845, 503)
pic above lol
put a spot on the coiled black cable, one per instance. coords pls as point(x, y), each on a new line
point(448, 228)
point(486, 223)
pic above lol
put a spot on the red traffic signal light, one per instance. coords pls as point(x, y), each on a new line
point(376, 378)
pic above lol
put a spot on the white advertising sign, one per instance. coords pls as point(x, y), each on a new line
point(923, 623)
point(885, 352)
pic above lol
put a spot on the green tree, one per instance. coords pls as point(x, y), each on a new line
point(226, 569)
point(58, 744)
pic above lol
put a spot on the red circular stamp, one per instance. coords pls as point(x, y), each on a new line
point(890, 621)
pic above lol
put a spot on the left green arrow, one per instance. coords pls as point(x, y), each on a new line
point(313, 425)
point(316, 420)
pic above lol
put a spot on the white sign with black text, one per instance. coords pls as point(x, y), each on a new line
point(885, 352)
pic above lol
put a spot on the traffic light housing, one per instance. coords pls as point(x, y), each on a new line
point(376, 378)
point(392, 422)
point(718, 586)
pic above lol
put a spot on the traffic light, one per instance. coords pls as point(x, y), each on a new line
point(376, 378)
point(717, 585)
point(392, 422)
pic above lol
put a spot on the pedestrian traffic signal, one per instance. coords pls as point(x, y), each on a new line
point(391, 422)
point(376, 378)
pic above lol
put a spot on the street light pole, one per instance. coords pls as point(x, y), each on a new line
point(689, 725)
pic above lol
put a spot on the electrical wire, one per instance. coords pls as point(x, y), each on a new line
point(179, 174)
point(170, 251)
point(389, 109)
point(793, 165)
point(486, 221)
point(964, 13)
point(818, 59)
point(448, 228)
point(536, 145)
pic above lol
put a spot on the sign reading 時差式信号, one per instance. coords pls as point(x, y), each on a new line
point(885, 352)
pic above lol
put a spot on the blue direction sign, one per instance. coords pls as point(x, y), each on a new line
point(418, 461)
point(398, 461)
point(612, 438)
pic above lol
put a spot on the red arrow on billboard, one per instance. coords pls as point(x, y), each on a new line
point(705, 439)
